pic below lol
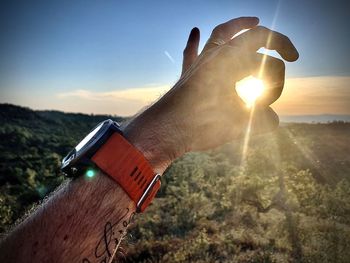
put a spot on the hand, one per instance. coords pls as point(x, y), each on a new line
point(203, 110)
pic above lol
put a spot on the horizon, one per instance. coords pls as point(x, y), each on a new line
point(102, 58)
point(305, 118)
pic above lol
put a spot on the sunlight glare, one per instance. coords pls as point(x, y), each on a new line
point(249, 89)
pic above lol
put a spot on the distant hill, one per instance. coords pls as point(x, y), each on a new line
point(323, 118)
point(10, 112)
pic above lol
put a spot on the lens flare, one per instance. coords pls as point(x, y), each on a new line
point(250, 89)
point(90, 173)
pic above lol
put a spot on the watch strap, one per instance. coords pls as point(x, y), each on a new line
point(129, 168)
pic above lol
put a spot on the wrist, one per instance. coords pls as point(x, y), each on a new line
point(154, 136)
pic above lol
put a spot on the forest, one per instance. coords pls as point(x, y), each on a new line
point(283, 198)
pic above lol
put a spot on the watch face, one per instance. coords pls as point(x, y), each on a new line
point(89, 145)
point(88, 138)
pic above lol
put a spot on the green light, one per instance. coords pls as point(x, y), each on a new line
point(90, 173)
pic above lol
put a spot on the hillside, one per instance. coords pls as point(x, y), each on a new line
point(32, 146)
point(287, 200)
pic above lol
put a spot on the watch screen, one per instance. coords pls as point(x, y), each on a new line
point(87, 138)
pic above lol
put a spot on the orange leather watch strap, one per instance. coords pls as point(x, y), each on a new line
point(129, 168)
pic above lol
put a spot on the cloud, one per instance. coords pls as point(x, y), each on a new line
point(119, 102)
point(315, 95)
point(142, 95)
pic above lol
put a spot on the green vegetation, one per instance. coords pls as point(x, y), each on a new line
point(288, 200)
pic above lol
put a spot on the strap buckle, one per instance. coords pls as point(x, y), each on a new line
point(147, 193)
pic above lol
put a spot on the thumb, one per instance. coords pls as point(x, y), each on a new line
point(190, 52)
point(264, 120)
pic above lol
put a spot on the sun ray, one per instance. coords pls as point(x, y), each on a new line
point(306, 152)
point(263, 61)
point(247, 137)
point(250, 92)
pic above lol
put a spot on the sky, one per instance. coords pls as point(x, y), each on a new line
point(116, 57)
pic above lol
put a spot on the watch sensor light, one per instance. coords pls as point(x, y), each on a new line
point(90, 173)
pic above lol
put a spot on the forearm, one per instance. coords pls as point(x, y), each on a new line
point(84, 220)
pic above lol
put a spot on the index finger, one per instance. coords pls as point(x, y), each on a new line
point(260, 36)
point(225, 31)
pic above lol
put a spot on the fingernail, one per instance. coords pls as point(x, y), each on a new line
point(294, 55)
point(194, 30)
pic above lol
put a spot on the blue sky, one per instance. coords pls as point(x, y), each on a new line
point(60, 54)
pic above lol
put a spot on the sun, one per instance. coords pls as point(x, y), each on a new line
point(250, 89)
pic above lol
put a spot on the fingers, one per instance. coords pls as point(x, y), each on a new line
point(224, 32)
point(260, 36)
point(191, 50)
point(272, 71)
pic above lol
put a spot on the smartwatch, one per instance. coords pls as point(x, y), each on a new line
point(106, 149)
